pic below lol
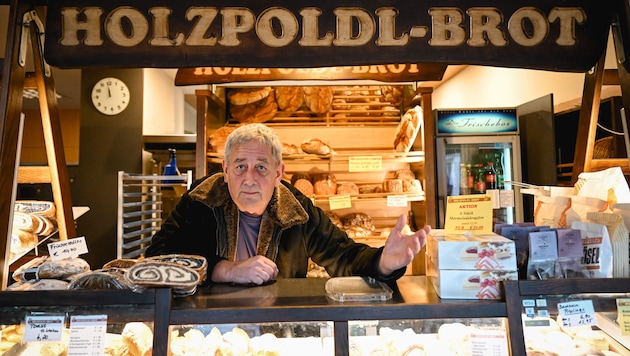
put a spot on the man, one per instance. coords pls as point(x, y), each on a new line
point(252, 227)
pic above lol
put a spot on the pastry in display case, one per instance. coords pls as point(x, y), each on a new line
point(431, 337)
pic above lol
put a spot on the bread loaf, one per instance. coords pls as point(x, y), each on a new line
point(289, 98)
point(318, 99)
point(216, 141)
point(316, 146)
point(196, 262)
point(62, 269)
point(300, 175)
point(248, 95)
point(404, 174)
point(99, 280)
point(412, 186)
point(258, 111)
point(151, 273)
point(347, 188)
point(44, 208)
point(122, 263)
point(325, 184)
point(393, 186)
point(392, 94)
point(305, 186)
point(289, 149)
point(407, 129)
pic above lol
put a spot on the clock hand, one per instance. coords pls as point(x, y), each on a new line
point(109, 92)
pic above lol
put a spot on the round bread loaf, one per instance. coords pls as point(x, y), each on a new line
point(305, 186)
point(325, 184)
point(289, 98)
point(248, 95)
point(393, 186)
point(318, 99)
point(347, 188)
point(289, 149)
point(300, 175)
point(258, 111)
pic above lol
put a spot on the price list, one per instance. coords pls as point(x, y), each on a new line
point(87, 335)
point(576, 313)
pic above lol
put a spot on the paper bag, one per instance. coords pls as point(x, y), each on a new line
point(609, 185)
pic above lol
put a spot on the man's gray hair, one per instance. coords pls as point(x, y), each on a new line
point(255, 132)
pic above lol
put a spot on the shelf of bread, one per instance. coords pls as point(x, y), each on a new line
point(33, 225)
point(323, 104)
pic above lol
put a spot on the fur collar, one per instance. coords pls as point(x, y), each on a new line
point(284, 211)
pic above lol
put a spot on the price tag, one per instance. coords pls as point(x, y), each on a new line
point(576, 313)
point(488, 343)
point(43, 327)
point(365, 164)
point(468, 213)
point(623, 315)
point(87, 335)
point(339, 202)
point(67, 248)
point(397, 200)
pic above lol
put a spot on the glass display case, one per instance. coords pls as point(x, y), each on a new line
point(569, 316)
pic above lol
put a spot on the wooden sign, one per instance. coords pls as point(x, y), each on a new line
point(557, 35)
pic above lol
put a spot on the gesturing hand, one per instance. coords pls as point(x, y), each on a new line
point(256, 270)
point(401, 247)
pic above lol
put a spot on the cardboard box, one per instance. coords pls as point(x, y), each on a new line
point(487, 252)
point(467, 284)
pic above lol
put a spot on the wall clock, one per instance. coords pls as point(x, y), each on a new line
point(110, 96)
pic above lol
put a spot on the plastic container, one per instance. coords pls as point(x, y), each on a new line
point(357, 289)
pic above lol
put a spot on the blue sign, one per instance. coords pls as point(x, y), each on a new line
point(484, 121)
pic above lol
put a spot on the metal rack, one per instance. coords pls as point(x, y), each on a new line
point(140, 212)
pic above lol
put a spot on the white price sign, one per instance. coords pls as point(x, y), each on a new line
point(67, 248)
point(43, 327)
point(576, 313)
point(87, 335)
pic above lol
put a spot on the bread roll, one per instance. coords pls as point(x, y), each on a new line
point(138, 338)
point(360, 220)
point(392, 94)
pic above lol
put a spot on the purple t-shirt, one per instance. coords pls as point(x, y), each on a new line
point(248, 227)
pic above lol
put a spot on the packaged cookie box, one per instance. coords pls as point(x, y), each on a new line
point(467, 283)
point(486, 252)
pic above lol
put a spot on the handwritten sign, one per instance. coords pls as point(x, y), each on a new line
point(623, 315)
point(576, 313)
point(339, 202)
point(43, 327)
point(67, 248)
point(468, 213)
point(365, 163)
point(396, 201)
point(87, 335)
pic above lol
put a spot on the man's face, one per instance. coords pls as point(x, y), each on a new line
point(252, 175)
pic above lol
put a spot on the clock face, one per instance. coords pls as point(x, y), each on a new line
point(110, 96)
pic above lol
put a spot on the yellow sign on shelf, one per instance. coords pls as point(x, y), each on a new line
point(339, 202)
point(365, 163)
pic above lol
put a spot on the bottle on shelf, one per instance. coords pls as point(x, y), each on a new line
point(470, 179)
point(480, 179)
point(170, 169)
point(490, 176)
point(498, 167)
point(463, 180)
